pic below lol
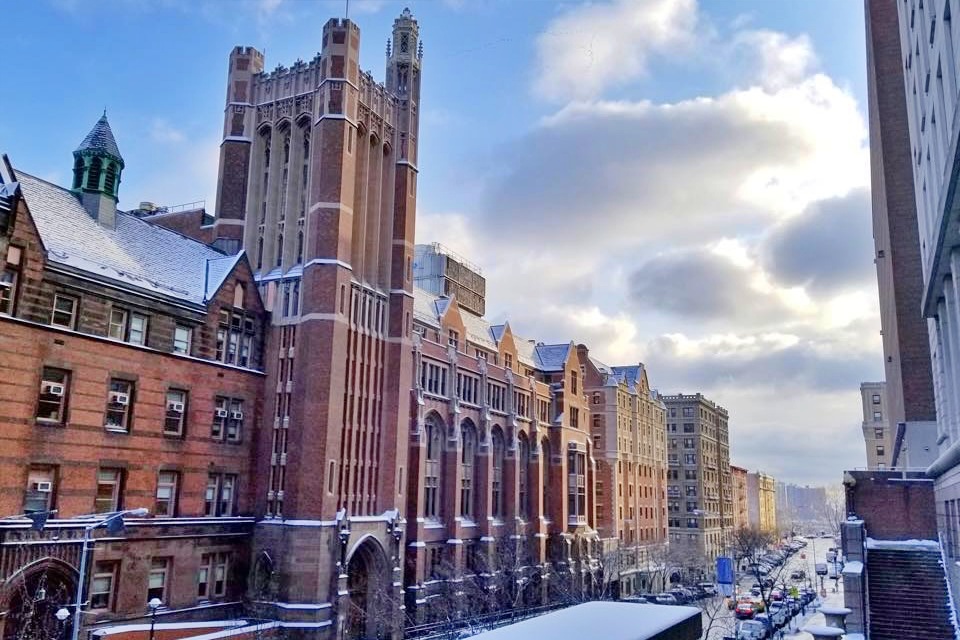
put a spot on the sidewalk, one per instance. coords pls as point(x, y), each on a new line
point(815, 618)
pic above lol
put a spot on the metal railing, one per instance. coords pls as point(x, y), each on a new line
point(448, 628)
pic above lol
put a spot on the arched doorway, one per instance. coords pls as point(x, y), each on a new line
point(34, 596)
point(371, 607)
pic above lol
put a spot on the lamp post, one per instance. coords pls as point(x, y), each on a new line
point(114, 523)
point(154, 604)
point(61, 615)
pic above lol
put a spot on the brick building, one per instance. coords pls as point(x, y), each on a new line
point(738, 478)
point(699, 486)
point(628, 427)
point(500, 493)
point(762, 501)
point(134, 374)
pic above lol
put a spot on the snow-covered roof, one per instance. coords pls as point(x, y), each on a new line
point(478, 330)
point(630, 374)
point(607, 620)
point(551, 357)
point(134, 254)
point(101, 138)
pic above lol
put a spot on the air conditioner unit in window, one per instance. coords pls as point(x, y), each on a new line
point(222, 413)
point(119, 398)
point(44, 486)
point(176, 407)
point(51, 388)
point(236, 415)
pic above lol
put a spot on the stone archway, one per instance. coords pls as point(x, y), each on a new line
point(371, 600)
point(33, 596)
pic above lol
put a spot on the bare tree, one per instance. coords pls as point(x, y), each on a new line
point(751, 545)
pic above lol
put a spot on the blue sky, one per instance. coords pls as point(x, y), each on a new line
point(661, 179)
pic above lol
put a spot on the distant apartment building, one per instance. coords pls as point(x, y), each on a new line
point(699, 486)
point(741, 514)
point(877, 435)
point(762, 501)
point(796, 504)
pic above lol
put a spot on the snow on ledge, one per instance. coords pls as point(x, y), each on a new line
point(827, 632)
point(903, 545)
point(166, 626)
point(854, 568)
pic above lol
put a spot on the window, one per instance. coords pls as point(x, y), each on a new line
point(574, 417)
point(688, 412)
point(435, 560)
point(467, 459)
point(523, 465)
point(545, 461)
point(433, 378)
point(235, 421)
point(877, 416)
point(496, 396)
point(64, 311)
point(577, 486)
point(690, 458)
point(573, 382)
point(431, 490)
point(689, 443)
point(689, 427)
point(221, 413)
point(453, 339)
point(108, 490)
point(9, 278)
point(166, 504)
point(157, 582)
point(41, 488)
point(507, 361)
point(182, 339)
point(52, 400)
point(496, 503)
point(212, 576)
point(235, 335)
point(117, 328)
point(176, 412)
point(880, 450)
point(101, 586)
point(878, 433)
point(119, 403)
point(468, 388)
point(219, 496)
point(876, 398)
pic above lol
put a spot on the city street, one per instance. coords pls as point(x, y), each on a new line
point(724, 623)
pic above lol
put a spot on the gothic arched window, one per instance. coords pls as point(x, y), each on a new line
point(468, 454)
point(431, 479)
point(496, 484)
point(523, 463)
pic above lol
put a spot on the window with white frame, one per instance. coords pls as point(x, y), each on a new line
point(182, 339)
point(221, 414)
point(166, 502)
point(9, 280)
point(212, 575)
point(235, 337)
point(119, 405)
point(53, 395)
point(576, 486)
point(127, 326)
point(41, 488)
point(235, 421)
point(157, 580)
point(64, 311)
point(107, 498)
point(219, 497)
point(176, 411)
point(102, 585)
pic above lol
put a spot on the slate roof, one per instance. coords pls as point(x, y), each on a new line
point(101, 138)
point(552, 357)
point(629, 374)
point(134, 254)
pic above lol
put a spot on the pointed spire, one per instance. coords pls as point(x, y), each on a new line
point(101, 139)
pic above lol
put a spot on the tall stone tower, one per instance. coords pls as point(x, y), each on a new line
point(327, 219)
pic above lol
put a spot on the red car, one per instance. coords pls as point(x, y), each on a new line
point(776, 595)
point(744, 611)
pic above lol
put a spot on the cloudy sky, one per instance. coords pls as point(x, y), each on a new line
point(679, 183)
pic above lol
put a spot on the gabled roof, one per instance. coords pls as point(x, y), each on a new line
point(133, 254)
point(552, 357)
point(101, 138)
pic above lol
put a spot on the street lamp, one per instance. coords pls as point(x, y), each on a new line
point(113, 521)
point(154, 604)
point(61, 615)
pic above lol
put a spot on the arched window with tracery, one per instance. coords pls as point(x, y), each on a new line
point(266, 138)
point(431, 478)
point(285, 174)
point(523, 462)
point(496, 484)
point(468, 437)
point(305, 172)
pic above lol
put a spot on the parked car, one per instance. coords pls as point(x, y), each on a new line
point(709, 589)
point(682, 595)
point(776, 595)
point(755, 591)
point(764, 619)
point(666, 598)
point(798, 574)
point(778, 614)
point(744, 611)
point(751, 630)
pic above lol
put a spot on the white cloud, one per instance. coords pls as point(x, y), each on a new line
point(775, 59)
point(162, 131)
point(595, 46)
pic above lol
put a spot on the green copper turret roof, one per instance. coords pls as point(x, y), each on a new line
point(101, 138)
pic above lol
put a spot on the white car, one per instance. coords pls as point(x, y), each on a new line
point(779, 614)
point(751, 630)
